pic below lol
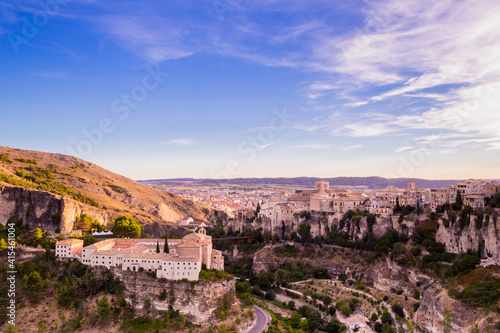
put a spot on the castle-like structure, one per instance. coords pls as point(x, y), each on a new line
point(184, 260)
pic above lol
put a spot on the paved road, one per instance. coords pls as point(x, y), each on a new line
point(262, 320)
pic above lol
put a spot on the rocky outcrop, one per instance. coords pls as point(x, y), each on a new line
point(196, 300)
point(434, 301)
point(39, 209)
point(482, 236)
point(322, 222)
point(382, 275)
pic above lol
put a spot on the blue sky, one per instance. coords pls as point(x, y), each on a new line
point(237, 88)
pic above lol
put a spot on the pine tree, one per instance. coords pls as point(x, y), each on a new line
point(165, 247)
point(157, 247)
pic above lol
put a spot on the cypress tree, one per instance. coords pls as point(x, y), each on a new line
point(165, 247)
point(458, 200)
point(157, 247)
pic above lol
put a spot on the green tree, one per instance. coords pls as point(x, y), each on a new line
point(267, 236)
point(33, 284)
point(315, 321)
point(127, 226)
point(157, 247)
point(447, 321)
point(295, 319)
point(276, 238)
point(335, 326)
point(304, 232)
point(103, 309)
point(95, 225)
point(165, 247)
point(37, 234)
point(66, 294)
point(327, 300)
point(84, 222)
point(386, 317)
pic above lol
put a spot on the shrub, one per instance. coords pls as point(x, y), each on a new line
point(346, 310)
point(481, 294)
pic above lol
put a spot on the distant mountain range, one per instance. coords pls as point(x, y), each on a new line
point(308, 182)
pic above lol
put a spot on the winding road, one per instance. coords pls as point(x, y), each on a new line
point(262, 320)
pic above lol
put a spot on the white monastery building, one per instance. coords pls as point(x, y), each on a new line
point(184, 260)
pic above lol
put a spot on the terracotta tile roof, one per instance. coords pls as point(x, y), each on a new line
point(175, 258)
point(194, 236)
point(160, 256)
point(107, 253)
point(70, 241)
point(189, 243)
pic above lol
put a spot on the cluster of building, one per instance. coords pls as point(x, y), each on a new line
point(472, 191)
point(184, 259)
point(226, 199)
point(281, 209)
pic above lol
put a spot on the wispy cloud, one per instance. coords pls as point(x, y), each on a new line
point(347, 148)
point(404, 148)
point(181, 142)
point(264, 146)
point(312, 146)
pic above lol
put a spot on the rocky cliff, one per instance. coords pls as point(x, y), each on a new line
point(434, 301)
point(321, 224)
point(197, 301)
point(39, 209)
point(381, 274)
point(49, 190)
point(479, 235)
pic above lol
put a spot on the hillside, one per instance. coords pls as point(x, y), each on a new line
point(307, 182)
point(26, 177)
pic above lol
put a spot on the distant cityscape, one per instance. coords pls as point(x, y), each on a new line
point(274, 200)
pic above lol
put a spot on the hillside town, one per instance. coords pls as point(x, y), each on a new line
point(178, 258)
point(382, 202)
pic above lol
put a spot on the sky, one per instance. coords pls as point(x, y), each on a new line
point(264, 88)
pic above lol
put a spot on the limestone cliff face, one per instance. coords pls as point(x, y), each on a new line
point(39, 209)
point(434, 301)
point(197, 302)
point(381, 275)
point(321, 224)
point(484, 238)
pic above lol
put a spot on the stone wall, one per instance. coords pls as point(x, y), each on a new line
point(196, 300)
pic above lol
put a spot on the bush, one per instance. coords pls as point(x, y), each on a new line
point(270, 295)
point(353, 303)
point(481, 294)
point(346, 310)
point(398, 310)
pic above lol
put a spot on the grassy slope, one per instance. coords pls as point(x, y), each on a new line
point(116, 193)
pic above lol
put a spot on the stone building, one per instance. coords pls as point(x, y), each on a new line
point(69, 248)
point(184, 260)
